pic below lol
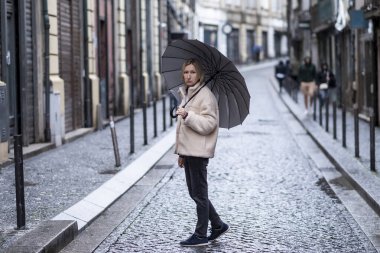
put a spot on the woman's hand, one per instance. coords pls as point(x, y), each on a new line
point(182, 112)
point(181, 161)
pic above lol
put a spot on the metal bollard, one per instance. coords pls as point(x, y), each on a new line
point(164, 112)
point(344, 126)
point(132, 129)
point(100, 117)
point(327, 115)
point(315, 110)
point(154, 118)
point(320, 114)
point(334, 120)
point(145, 124)
point(372, 143)
point(114, 142)
point(356, 130)
point(19, 178)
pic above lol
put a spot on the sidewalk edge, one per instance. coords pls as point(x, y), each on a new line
point(94, 204)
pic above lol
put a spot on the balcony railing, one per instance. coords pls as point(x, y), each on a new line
point(323, 14)
point(372, 3)
point(371, 8)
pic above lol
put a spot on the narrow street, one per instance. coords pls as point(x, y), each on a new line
point(260, 182)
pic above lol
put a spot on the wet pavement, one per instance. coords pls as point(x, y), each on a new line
point(261, 182)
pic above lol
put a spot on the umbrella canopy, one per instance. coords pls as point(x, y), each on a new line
point(221, 76)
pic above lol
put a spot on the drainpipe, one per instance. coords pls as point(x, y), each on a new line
point(159, 33)
point(375, 85)
point(107, 61)
point(114, 63)
point(142, 80)
point(3, 28)
point(98, 40)
point(47, 130)
point(87, 87)
point(149, 48)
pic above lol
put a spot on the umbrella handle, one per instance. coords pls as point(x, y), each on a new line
point(172, 112)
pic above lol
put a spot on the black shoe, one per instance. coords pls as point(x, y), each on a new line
point(194, 241)
point(217, 232)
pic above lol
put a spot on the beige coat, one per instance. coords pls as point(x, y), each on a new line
point(197, 134)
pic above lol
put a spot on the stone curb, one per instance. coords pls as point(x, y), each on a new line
point(49, 236)
point(54, 235)
point(364, 181)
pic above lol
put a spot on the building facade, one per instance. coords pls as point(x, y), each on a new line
point(244, 30)
point(344, 34)
point(77, 63)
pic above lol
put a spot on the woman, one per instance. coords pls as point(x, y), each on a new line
point(197, 132)
point(326, 84)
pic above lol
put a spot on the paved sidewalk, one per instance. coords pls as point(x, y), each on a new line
point(356, 170)
point(59, 182)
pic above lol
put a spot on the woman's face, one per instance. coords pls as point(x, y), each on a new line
point(190, 75)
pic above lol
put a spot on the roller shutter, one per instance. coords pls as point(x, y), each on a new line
point(70, 62)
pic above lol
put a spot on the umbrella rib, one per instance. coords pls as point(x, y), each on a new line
point(211, 53)
point(230, 87)
point(242, 84)
point(172, 70)
point(240, 112)
point(187, 50)
point(177, 85)
point(237, 104)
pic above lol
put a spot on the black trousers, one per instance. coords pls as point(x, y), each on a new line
point(196, 179)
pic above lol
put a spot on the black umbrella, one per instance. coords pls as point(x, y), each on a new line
point(221, 76)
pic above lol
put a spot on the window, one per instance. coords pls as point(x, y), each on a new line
point(233, 2)
point(265, 4)
point(251, 4)
point(276, 5)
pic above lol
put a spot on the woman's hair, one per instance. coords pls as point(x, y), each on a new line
point(197, 66)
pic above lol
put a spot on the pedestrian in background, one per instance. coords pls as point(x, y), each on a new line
point(280, 73)
point(293, 70)
point(197, 132)
point(326, 84)
point(307, 75)
point(256, 49)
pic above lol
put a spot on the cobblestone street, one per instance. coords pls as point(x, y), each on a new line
point(260, 182)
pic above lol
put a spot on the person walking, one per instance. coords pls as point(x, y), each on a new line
point(307, 76)
point(280, 73)
point(196, 137)
point(256, 49)
point(326, 84)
